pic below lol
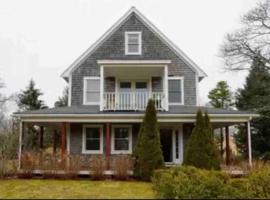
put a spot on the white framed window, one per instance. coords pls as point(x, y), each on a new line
point(92, 139)
point(91, 90)
point(133, 43)
point(121, 140)
point(176, 90)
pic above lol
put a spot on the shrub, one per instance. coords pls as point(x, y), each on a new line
point(27, 164)
point(201, 150)
point(98, 167)
point(73, 166)
point(122, 166)
point(189, 182)
point(259, 182)
point(147, 153)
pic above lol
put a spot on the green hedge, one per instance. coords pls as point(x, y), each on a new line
point(190, 182)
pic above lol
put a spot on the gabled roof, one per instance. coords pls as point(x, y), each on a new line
point(201, 74)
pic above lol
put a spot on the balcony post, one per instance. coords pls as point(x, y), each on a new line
point(165, 88)
point(101, 87)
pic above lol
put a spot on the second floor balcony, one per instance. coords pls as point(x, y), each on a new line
point(132, 100)
point(128, 85)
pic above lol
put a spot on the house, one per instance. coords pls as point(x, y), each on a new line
point(109, 87)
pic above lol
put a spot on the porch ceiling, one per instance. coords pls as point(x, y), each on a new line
point(133, 72)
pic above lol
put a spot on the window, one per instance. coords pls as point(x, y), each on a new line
point(121, 139)
point(91, 90)
point(125, 85)
point(176, 92)
point(141, 85)
point(133, 43)
point(92, 139)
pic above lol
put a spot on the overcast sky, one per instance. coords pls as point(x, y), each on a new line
point(40, 39)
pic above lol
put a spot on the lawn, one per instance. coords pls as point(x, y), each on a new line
point(74, 189)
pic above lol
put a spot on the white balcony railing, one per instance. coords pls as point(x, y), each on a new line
point(132, 100)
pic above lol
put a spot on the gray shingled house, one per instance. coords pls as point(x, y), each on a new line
point(109, 87)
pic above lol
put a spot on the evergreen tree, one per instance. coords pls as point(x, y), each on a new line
point(29, 98)
point(221, 97)
point(255, 96)
point(201, 151)
point(147, 152)
point(63, 100)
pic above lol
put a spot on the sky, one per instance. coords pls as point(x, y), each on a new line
point(39, 39)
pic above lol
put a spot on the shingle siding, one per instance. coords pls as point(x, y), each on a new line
point(152, 49)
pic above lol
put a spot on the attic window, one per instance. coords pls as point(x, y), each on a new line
point(133, 43)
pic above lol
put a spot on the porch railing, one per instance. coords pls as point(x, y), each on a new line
point(132, 100)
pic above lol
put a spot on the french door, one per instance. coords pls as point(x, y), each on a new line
point(171, 140)
point(133, 94)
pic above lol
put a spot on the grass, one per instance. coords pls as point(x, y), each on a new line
point(68, 189)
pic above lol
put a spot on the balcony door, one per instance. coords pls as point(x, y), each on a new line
point(133, 95)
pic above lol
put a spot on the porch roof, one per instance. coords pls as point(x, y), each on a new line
point(88, 113)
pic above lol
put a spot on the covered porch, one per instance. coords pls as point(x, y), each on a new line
point(175, 130)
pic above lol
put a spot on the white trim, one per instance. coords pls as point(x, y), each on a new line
point(129, 151)
point(249, 145)
point(84, 150)
point(84, 89)
point(139, 33)
point(165, 88)
point(101, 90)
point(109, 32)
point(182, 90)
point(69, 89)
point(132, 115)
point(139, 62)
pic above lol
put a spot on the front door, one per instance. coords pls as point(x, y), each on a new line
point(171, 140)
point(166, 144)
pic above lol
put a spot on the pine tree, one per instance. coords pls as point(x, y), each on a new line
point(29, 98)
point(201, 151)
point(147, 152)
point(221, 96)
point(255, 96)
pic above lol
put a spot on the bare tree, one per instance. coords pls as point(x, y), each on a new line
point(251, 41)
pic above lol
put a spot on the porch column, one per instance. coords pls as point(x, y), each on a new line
point(228, 152)
point(248, 136)
point(21, 132)
point(221, 143)
point(63, 139)
point(108, 145)
point(41, 133)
